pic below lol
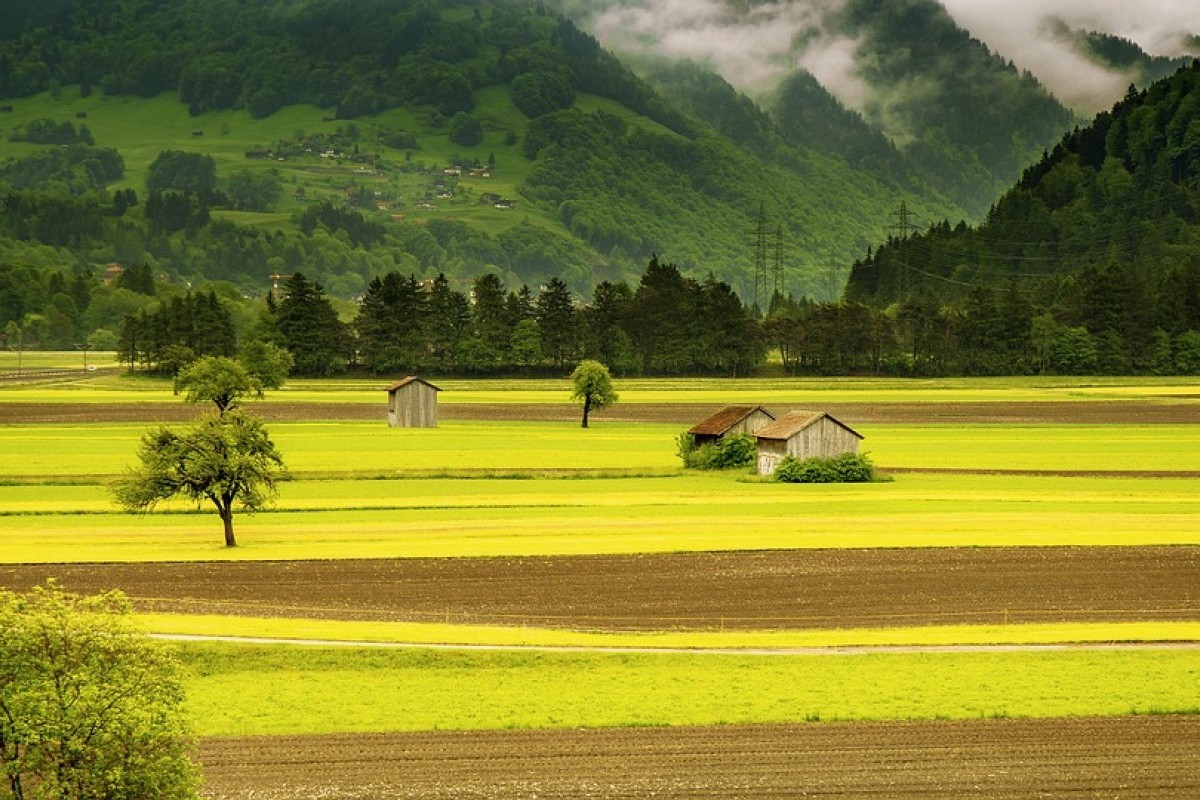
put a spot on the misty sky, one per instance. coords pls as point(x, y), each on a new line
point(753, 52)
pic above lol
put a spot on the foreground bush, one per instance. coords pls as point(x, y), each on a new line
point(731, 452)
point(89, 707)
point(846, 468)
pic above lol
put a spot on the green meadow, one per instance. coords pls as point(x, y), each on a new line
point(255, 690)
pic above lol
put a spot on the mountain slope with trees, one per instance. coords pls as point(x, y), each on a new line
point(1089, 263)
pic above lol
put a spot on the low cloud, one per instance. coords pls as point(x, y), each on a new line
point(1024, 31)
point(754, 48)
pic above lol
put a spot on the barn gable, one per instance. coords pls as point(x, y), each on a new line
point(804, 434)
point(412, 403)
point(730, 420)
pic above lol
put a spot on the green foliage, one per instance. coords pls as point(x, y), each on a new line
point(266, 362)
point(226, 459)
point(217, 379)
point(249, 190)
point(194, 173)
point(846, 468)
point(591, 386)
point(736, 451)
point(465, 130)
point(89, 707)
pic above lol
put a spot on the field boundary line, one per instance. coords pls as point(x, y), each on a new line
point(833, 650)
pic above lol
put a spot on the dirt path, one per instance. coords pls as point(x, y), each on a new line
point(1122, 757)
point(787, 589)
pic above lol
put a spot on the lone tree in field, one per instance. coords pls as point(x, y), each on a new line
point(227, 459)
point(89, 707)
point(592, 387)
point(218, 379)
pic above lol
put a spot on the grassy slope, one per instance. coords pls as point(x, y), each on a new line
point(140, 129)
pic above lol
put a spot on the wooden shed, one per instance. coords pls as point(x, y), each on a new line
point(412, 403)
point(730, 421)
point(803, 434)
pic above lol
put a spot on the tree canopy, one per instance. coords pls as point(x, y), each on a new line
point(89, 707)
point(216, 379)
point(227, 459)
point(592, 387)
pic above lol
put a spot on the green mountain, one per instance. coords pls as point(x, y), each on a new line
point(1120, 54)
point(348, 138)
point(1099, 239)
point(966, 119)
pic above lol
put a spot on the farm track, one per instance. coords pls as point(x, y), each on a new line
point(1120, 757)
point(790, 589)
point(1172, 411)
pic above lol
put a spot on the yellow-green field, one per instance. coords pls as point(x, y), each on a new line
point(476, 488)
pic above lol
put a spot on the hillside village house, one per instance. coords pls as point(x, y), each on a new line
point(730, 421)
point(412, 403)
point(803, 434)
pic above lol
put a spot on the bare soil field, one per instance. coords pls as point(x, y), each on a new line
point(1089, 412)
point(1122, 757)
point(699, 591)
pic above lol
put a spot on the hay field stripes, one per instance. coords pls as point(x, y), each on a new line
point(447, 517)
point(360, 449)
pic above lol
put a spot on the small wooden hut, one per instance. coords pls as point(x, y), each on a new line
point(803, 434)
point(412, 403)
point(730, 421)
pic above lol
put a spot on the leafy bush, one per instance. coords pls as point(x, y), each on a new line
point(732, 452)
point(846, 468)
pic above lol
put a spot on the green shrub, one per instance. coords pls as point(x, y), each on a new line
point(846, 468)
point(732, 452)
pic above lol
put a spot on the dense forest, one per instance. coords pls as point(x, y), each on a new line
point(1090, 263)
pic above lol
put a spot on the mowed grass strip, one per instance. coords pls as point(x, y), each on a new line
point(257, 689)
point(488, 517)
point(358, 449)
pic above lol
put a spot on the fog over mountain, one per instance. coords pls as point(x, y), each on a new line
point(755, 45)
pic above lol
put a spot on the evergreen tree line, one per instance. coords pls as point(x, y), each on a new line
point(1106, 321)
point(667, 325)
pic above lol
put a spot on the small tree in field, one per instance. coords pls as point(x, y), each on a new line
point(89, 707)
point(592, 387)
point(217, 379)
point(227, 459)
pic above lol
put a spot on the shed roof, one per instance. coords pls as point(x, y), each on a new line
point(793, 422)
point(400, 384)
point(725, 419)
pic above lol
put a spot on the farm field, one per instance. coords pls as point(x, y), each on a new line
point(1005, 758)
point(1016, 513)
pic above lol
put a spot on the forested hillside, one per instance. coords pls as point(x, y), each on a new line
point(966, 119)
point(328, 136)
point(1091, 262)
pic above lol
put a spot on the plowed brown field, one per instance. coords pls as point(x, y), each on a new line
point(1184, 411)
point(770, 589)
point(1123, 757)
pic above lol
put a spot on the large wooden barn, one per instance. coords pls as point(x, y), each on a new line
point(412, 403)
point(803, 434)
point(730, 421)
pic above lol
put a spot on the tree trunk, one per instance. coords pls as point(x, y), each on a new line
point(587, 406)
point(227, 518)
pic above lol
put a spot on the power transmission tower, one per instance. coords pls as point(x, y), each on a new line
point(902, 228)
point(760, 256)
point(778, 266)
